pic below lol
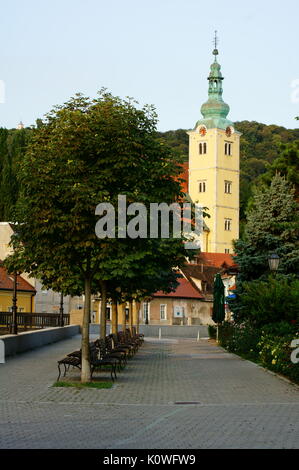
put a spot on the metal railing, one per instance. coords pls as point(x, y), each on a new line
point(33, 321)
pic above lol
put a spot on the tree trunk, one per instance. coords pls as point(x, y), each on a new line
point(123, 316)
point(137, 316)
point(120, 314)
point(131, 316)
point(114, 317)
point(85, 356)
point(103, 309)
point(134, 310)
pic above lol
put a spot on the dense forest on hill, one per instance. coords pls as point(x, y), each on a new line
point(264, 149)
point(12, 147)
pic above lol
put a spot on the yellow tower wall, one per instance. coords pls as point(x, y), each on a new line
point(214, 168)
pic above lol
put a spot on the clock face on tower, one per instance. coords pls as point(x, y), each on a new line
point(229, 131)
point(203, 131)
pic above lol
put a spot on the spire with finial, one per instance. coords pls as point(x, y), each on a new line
point(215, 110)
point(215, 51)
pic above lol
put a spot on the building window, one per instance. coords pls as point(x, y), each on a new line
point(202, 187)
point(163, 312)
point(228, 187)
point(226, 250)
point(228, 148)
point(146, 311)
point(202, 148)
point(108, 313)
point(227, 224)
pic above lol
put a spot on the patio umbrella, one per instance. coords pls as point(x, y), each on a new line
point(218, 301)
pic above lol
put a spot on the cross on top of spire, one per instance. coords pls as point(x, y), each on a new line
point(215, 41)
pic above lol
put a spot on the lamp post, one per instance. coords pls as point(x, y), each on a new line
point(61, 309)
point(14, 325)
point(273, 261)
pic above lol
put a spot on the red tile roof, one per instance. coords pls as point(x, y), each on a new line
point(184, 290)
point(185, 175)
point(216, 259)
point(7, 281)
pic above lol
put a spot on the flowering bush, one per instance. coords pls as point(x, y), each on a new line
point(269, 346)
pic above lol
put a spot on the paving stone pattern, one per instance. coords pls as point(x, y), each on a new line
point(227, 402)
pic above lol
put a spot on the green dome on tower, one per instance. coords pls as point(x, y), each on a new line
point(215, 110)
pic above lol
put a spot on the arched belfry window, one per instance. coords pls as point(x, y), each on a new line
point(228, 148)
point(202, 148)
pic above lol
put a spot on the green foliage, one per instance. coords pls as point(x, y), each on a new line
point(212, 331)
point(268, 301)
point(274, 353)
point(272, 226)
point(80, 385)
point(12, 149)
point(178, 140)
point(269, 346)
point(260, 146)
point(264, 150)
point(84, 153)
point(241, 339)
point(286, 164)
point(90, 151)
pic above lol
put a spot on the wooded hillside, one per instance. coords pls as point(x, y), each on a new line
point(261, 144)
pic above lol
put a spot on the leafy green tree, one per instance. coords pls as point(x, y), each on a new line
point(264, 302)
point(87, 152)
point(12, 149)
point(272, 226)
point(286, 164)
point(178, 140)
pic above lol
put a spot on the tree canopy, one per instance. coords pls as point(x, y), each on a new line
point(85, 152)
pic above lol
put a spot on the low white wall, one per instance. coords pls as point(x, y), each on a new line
point(14, 344)
point(175, 331)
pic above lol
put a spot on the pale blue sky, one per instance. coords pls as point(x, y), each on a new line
point(157, 51)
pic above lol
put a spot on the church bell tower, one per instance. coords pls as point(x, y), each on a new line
point(214, 168)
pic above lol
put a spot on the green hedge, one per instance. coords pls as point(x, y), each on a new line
point(268, 346)
point(212, 331)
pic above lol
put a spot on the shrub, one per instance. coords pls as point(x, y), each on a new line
point(212, 331)
point(240, 339)
point(269, 346)
point(273, 300)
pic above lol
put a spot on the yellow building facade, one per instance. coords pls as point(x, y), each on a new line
point(25, 301)
point(214, 168)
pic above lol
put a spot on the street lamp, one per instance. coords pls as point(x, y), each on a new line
point(14, 326)
point(61, 310)
point(273, 261)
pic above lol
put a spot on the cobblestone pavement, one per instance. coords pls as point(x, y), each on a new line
point(173, 394)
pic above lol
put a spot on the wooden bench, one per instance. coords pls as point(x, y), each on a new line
point(98, 358)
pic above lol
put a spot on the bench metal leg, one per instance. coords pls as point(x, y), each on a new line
point(59, 373)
